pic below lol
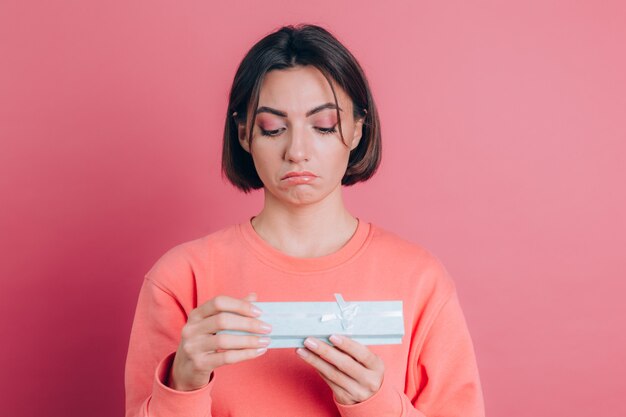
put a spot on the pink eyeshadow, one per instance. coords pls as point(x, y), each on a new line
point(269, 125)
point(325, 122)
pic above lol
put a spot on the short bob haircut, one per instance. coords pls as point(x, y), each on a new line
point(291, 46)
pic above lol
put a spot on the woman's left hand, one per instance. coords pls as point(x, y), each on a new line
point(351, 370)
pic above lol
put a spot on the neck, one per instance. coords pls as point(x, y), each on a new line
point(309, 230)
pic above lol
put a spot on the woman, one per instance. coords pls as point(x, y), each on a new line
point(301, 123)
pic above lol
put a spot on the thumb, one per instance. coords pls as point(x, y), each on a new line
point(251, 297)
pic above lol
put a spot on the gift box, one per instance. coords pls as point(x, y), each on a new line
point(367, 322)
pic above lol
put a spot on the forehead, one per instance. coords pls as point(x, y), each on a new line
point(297, 90)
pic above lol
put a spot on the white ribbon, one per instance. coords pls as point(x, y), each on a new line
point(347, 314)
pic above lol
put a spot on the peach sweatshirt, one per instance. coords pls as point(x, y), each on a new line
point(432, 373)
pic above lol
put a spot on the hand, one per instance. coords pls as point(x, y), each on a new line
point(351, 370)
point(201, 350)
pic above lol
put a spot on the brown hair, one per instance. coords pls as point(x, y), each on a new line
point(290, 46)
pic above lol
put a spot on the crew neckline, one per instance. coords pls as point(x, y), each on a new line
point(281, 260)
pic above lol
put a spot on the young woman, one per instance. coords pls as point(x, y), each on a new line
point(301, 123)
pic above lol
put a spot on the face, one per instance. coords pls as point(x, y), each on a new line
point(296, 130)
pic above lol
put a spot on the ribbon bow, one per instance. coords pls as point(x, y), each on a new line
point(347, 315)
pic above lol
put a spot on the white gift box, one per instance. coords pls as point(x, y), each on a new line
point(367, 322)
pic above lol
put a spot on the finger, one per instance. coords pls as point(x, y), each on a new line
point(228, 357)
point(225, 341)
point(342, 396)
point(358, 351)
point(224, 303)
point(328, 371)
point(231, 321)
point(340, 360)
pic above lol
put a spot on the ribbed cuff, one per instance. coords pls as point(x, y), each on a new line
point(386, 402)
point(168, 402)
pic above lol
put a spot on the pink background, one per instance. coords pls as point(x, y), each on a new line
point(504, 140)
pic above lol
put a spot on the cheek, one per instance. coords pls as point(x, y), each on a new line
point(266, 158)
point(337, 161)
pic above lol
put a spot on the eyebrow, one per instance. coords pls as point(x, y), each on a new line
point(265, 109)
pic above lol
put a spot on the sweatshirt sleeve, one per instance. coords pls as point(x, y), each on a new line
point(155, 335)
point(448, 382)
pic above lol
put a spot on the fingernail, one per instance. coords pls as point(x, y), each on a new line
point(335, 339)
point(310, 343)
point(256, 311)
point(264, 341)
point(266, 328)
point(302, 352)
point(261, 351)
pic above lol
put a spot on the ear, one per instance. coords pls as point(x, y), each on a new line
point(243, 139)
point(358, 132)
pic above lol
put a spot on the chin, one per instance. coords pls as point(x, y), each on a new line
point(298, 197)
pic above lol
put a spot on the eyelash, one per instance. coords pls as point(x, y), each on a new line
point(323, 131)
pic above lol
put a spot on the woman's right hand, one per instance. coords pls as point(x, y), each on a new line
point(201, 350)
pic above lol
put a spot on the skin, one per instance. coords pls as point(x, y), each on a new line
point(200, 350)
point(306, 220)
point(302, 220)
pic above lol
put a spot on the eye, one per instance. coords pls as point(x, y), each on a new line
point(270, 132)
point(327, 130)
point(322, 130)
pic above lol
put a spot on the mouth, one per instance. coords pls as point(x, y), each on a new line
point(302, 174)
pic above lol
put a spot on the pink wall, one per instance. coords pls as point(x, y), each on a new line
point(504, 142)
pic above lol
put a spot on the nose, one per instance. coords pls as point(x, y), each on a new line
point(298, 145)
